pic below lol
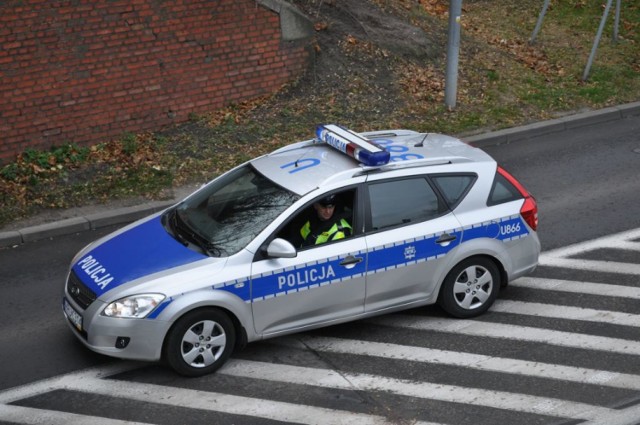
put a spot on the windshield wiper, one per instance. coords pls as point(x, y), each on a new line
point(212, 249)
point(185, 234)
point(172, 225)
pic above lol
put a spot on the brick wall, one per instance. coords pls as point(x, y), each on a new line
point(90, 70)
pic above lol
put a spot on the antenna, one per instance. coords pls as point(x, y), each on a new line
point(421, 144)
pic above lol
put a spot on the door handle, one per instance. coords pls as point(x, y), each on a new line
point(445, 238)
point(350, 261)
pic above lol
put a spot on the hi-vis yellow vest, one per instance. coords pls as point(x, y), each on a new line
point(334, 233)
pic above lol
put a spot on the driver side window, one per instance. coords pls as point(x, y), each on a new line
point(329, 218)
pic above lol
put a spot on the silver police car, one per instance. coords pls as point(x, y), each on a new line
point(338, 228)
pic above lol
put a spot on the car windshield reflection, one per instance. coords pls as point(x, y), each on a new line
point(227, 214)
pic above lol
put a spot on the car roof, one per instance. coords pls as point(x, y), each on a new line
point(306, 166)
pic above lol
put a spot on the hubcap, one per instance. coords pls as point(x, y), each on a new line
point(473, 287)
point(203, 343)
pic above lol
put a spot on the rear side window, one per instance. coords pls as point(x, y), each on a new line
point(402, 202)
point(454, 186)
point(502, 191)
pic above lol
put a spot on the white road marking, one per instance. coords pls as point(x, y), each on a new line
point(462, 359)
point(89, 381)
point(566, 312)
point(31, 416)
point(46, 385)
point(231, 404)
point(610, 241)
point(626, 240)
point(511, 332)
point(627, 246)
point(592, 265)
point(628, 416)
point(425, 390)
point(600, 289)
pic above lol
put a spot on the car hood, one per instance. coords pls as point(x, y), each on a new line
point(141, 250)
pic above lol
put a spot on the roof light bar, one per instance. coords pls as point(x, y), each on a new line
point(346, 141)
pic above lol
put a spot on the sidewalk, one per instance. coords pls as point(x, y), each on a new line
point(97, 216)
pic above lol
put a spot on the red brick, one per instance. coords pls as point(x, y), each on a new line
point(12, 45)
point(51, 132)
point(125, 76)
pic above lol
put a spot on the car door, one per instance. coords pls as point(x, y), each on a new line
point(410, 231)
point(323, 283)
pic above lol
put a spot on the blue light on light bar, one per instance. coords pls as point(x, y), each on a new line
point(346, 141)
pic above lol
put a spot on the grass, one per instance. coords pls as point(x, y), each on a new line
point(503, 82)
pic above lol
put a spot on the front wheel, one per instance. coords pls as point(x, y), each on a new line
point(200, 342)
point(470, 288)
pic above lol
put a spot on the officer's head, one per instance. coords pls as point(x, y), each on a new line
point(325, 207)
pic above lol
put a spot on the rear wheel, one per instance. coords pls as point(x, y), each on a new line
point(470, 288)
point(200, 342)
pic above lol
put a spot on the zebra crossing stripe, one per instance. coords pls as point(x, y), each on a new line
point(31, 416)
point(571, 286)
point(566, 312)
point(625, 416)
point(424, 390)
point(90, 381)
point(625, 240)
point(627, 246)
point(226, 403)
point(610, 241)
point(511, 332)
point(463, 359)
point(591, 265)
point(60, 381)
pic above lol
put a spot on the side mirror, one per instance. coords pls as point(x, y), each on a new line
point(280, 248)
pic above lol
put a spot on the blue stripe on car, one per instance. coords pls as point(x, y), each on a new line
point(155, 313)
point(382, 258)
point(329, 271)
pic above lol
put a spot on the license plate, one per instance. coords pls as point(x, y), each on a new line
point(73, 316)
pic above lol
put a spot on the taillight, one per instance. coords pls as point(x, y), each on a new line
point(529, 210)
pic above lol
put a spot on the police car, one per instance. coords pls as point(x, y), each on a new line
point(429, 218)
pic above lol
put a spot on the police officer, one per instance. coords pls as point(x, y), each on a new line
point(324, 225)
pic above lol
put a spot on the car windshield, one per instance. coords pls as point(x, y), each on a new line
point(223, 217)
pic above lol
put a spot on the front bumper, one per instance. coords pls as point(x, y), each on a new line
point(104, 335)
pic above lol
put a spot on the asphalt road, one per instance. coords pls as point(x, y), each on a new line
point(586, 181)
point(35, 342)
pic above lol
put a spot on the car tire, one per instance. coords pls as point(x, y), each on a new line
point(200, 342)
point(470, 288)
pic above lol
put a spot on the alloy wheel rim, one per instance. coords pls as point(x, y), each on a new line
point(203, 343)
point(473, 287)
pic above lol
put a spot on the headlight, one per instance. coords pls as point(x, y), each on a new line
point(135, 306)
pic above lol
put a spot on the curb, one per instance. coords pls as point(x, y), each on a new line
point(79, 224)
point(129, 214)
point(557, 125)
